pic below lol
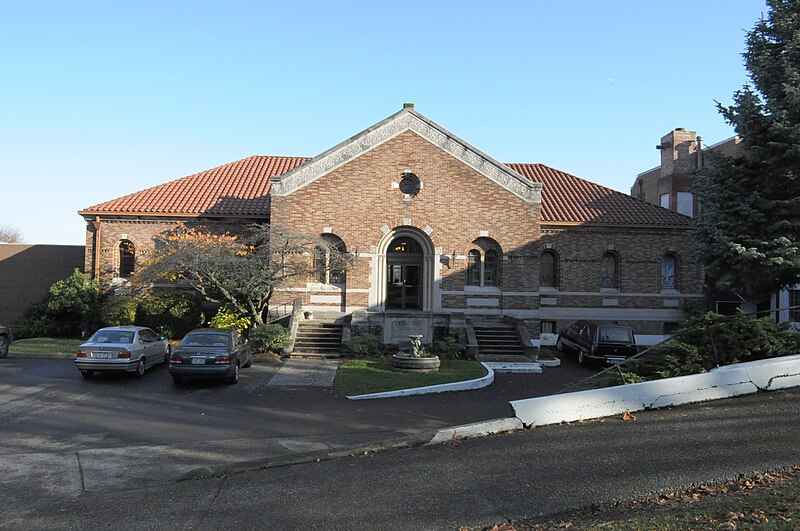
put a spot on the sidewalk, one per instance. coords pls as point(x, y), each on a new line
point(303, 372)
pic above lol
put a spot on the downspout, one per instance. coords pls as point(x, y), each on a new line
point(96, 269)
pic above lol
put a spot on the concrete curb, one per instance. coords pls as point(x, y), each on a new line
point(465, 385)
point(44, 355)
point(419, 439)
point(467, 431)
point(478, 429)
point(725, 382)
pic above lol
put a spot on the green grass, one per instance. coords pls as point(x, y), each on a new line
point(44, 345)
point(765, 501)
point(774, 508)
point(362, 376)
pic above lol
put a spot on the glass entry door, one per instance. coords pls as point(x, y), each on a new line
point(403, 289)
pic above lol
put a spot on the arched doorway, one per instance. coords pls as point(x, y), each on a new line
point(404, 262)
point(404, 271)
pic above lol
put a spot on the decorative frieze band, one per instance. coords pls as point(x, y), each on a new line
point(403, 121)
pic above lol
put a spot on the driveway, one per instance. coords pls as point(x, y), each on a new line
point(464, 483)
point(117, 431)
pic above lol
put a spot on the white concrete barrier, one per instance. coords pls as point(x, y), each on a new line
point(771, 374)
point(465, 385)
point(725, 382)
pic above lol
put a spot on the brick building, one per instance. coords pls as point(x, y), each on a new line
point(669, 185)
point(440, 234)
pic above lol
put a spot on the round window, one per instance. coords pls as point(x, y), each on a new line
point(409, 184)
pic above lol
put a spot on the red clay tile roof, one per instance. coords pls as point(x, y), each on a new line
point(570, 199)
point(240, 188)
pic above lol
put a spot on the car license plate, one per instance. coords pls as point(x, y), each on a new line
point(101, 355)
point(198, 361)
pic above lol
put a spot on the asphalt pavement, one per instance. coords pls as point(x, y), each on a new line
point(461, 483)
point(66, 437)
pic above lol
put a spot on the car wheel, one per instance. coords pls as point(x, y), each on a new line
point(3, 347)
point(234, 378)
point(87, 373)
point(559, 345)
point(249, 362)
point(177, 380)
point(140, 367)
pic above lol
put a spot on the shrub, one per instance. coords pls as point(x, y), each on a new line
point(71, 307)
point(268, 337)
point(738, 338)
point(32, 323)
point(735, 339)
point(171, 313)
point(366, 345)
point(447, 349)
point(227, 318)
point(119, 310)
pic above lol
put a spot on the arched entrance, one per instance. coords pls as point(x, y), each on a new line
point(405, 271)
point(404, 262)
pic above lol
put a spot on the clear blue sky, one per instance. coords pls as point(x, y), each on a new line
point(101, 99)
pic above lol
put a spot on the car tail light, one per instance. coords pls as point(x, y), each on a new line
point(222, 359)
point(80, 354)
point(175, 358)
point(124, 354)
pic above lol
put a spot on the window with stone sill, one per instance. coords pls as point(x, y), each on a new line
point(325, 268)
point(610, 271)
point(548, 270)
point(669, 272)
point(127, 258)
point(483, 263)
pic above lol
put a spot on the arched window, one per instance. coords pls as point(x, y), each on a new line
point(127, 258)
point(483, 263)
point(548, 270)
point(474, 268)
point(668, 272)
point(328, 261)
point(610, 270)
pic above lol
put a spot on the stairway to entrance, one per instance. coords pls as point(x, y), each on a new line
point(498, 341)
point(318, 339)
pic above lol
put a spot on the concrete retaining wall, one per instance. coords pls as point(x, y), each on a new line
point(725, 382)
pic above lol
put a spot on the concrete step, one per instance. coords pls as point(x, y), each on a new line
point(315, 355)
point(511, 358)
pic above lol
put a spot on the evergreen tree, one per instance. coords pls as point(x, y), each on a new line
point(748, 227)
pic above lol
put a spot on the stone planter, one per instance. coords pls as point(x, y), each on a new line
point(406, 363)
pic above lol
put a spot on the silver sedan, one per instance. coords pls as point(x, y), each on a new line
point(121, 349)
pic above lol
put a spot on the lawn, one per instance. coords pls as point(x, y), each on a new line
point(769, 500)
point(362, 376)
point(44, 345)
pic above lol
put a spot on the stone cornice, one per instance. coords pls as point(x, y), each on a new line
point(407, 120)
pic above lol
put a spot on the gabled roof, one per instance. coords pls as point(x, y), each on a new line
point(570, 199)
point(240, 188)
point(408, 119)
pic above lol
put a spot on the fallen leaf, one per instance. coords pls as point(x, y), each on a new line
point(628, 416)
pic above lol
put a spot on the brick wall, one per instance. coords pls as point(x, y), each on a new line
point(28, 271)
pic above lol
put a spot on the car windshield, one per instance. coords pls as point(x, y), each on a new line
point(112, 336)
point(205, 340)
point(618, 334)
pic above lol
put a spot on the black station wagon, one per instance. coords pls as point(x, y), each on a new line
point(609, 343)
point(210, 353)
